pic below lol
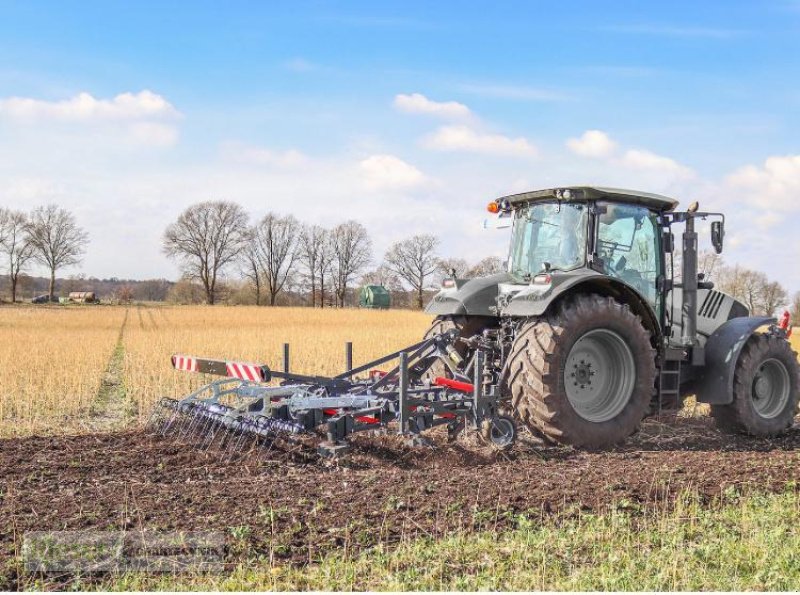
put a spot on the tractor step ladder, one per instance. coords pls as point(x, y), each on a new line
point(669, 381)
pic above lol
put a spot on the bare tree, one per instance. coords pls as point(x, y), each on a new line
point(414, 260)
point(315, 254)
point(56, 239)
point(352, 251)
point(447, 267)
point(277, 251)
point(15, 244)
point(709, 263)
point(753, 290)
point(488, 266)
point(772, 295)
point(206, 238)
point(384, 276)
point(251, 269)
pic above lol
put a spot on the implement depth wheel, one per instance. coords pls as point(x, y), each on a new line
point(584, 375)
point(765, 389)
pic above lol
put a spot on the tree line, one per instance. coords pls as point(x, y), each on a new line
point(212, 239)
point(48, 236)
point(215, 240)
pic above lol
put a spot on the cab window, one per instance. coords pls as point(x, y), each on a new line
point(627, 239)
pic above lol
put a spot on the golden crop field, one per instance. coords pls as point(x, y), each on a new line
point(53, 359)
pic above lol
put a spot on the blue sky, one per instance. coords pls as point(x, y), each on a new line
point(408, 116)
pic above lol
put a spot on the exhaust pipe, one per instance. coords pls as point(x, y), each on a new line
point(689, 282)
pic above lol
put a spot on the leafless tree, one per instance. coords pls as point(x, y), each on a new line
point(448, 265)
point(709, 263)
point(276, 239)
point(206, 238)
point(773, 295)
point(56, 239)
point(384, 276)
point(352, 251)
point(415, 261)
point(15, 243)
point(315, 254)
point(251, 269)
point(488, 266)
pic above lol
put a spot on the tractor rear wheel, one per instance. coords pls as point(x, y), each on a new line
point(765, 389)
point(584, 375)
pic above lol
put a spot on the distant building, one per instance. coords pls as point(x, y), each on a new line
point(374, 296)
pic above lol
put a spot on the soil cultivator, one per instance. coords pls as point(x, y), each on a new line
point(246, 408)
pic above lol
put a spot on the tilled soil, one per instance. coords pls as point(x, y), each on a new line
point(291, 505)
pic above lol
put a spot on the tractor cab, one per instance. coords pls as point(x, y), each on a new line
point(618, 239)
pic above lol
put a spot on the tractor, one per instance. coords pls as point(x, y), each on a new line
point(593, 328)
point(587, 331)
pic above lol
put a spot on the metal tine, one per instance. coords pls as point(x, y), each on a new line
point(244, 435)
point(216, 429)
point(186, 423)
point(169, 424)
point(230, 440)
point(198, 422)
point(158, 415)
point(208, 421)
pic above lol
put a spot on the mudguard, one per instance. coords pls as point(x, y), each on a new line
point(715, 379)
point(534, 300)
point(476, 297)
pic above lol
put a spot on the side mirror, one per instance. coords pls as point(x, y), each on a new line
point(668, 242)
point(717, 236)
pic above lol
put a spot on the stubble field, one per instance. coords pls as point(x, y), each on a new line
point(79, 381)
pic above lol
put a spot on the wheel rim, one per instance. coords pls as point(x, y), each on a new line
point(600, 375)
point(771, 388)
point(502, 432)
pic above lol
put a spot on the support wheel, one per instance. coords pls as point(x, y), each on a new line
point(584, 375)
point(765, 389)
point(499, 431)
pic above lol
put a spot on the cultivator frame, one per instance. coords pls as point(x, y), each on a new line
point(243, 407)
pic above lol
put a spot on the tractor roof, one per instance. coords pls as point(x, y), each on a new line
point(583, 193)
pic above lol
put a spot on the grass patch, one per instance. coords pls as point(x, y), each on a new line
point(739, 543)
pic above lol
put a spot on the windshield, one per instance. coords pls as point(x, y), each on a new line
point(548, 232)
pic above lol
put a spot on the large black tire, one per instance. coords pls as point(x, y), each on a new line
point(467, 327)
point(536, 373)
point(765, 389)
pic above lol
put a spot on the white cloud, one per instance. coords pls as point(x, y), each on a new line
point(464, 138)
point(263, 156)
point(643, 160)
point(416, 103)
point(389, 172)
point(592, 143)
point(153, 134)
point(773, 185)
point(84, 107)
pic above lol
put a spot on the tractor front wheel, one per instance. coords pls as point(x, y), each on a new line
point(765, 389)
point(584, 375)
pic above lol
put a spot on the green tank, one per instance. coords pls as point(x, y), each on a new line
point(374, 296)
